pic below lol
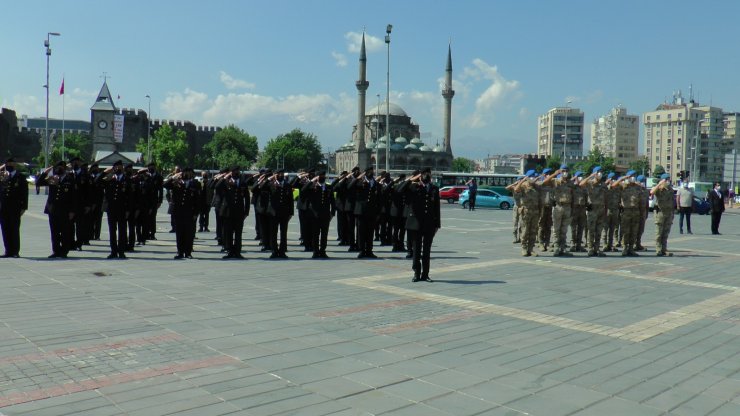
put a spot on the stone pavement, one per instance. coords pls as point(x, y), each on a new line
point(495, 334)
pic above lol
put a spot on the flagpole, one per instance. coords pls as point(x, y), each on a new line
point(63, 148)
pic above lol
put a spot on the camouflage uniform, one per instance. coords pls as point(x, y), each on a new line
point(530, 216)
point(631, 216)
point(578, 219)
point(545, 223)
point(562, 194)
point(643, 217)
point(517, 215)
point(612, 217)
point(663, 218)
point(595, 215)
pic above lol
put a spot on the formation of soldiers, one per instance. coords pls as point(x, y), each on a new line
point(607, 210)
point(402, 212)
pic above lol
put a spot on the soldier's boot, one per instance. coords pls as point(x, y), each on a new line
point(608, 248)
point(526, 253)
point(557, 253)
point(625, 253)
point(544, 247)
point(591, 253)
point(573, 248)
point(516, 241)
point(566, 254)
point(640, 247)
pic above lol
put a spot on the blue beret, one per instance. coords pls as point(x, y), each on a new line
point(546, 171)
point(577, 174)
point(630, 172)
point(610, 175)
point(563, 166)
point(640, 178)
point(530, 172)
point(665, 176)
point(596, 169)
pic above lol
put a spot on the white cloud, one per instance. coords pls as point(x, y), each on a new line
point(339, 58)
point(354, 41)
point(496, 95)
point(234, 83)
point(187, 105)
point(77, 103)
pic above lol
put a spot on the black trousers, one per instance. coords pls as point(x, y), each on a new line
point(80, 232)
point(203, 217)
point(341, 224)
point(305, 228)
point(684, 212)
point(151, 223)
point(142, 225)
point(422, 251)
point(219, 228)
point(319, 233)
point(366, 224)
point(716, 217)
point(350, 228)
point(184, 233)
point(117, 228)
point(279, 224)
point(62, 233)
point(471, 200)
point(131, 224)
point(97, 222)
point(11, 227)
point(410, 242)
point(266, 230)
point(399, 231)
point(257, 225)
point(232, 232)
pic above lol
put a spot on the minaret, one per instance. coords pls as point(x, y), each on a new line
point(448, 93)
point(361, 85)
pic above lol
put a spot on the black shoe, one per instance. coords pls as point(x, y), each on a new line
point(371, 255)
point(689, 232)
point(188, 256)
point(361, 256)
point(409, 256)
point(283, 256)
point(274, 256)
point(121, 256)
point(16, 256)
point(179, 257)
point(307, 249)
point(207, 230)
point(227, 257)
point(171, 231)
point(416, 278)
point(112, 256)
point(265, 249)
point(62, 256)
point(153, 238)
point(316, 256)
point(324, 256)
point(427, 279)
point(238, 256)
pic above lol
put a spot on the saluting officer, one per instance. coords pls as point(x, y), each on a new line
point(398, 220)
point(185, 196)
point(261, 191)
point(349, 210)
point(578, 216)
point(631, 200)
point(562, 193)
point(612, 213)
point(663, 194)
point(119, 199)
point(530, 211)
point(233, 189)
point(61, 207)
point(545, 222)
point(155, 181)
point(406, 213)
point(96, 195)
point(82, 179)
point(595, 211)
point(279, 210)
point(321, 209)
point(644, 203)
point(367, 207)
point(341, 198)
point(304, 223)
point(423, 221)
point(13, 203)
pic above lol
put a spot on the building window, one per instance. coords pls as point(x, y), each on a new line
point(648, 118)
point(680, 115)
point(657, 117)
point(657, 158)
point(669, 116)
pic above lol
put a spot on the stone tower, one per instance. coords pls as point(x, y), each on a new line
point(448, 93)
point(361, 84)
point(102, 121)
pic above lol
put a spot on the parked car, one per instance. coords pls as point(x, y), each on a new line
point(487, 198)
point(451, 193)
point(701, 205)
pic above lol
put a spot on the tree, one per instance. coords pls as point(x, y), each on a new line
point(230, 146)
point(461, 164)
point(75, 145)
point(641, 165)
point(292, 151)
point(659, 170)
point(553, 162)
point(595, 158)
point(169, 148)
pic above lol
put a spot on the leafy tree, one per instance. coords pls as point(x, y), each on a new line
point(641, 165)
point(169, 147)
point(461, 164)
point(553, 162)
point(230, 146)
point(659, 170)
point(75, 145)
point(292, 151)
point(596, 158)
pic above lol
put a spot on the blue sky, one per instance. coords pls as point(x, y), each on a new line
point(271, 66)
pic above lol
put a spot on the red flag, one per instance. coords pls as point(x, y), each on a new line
point(61, 90)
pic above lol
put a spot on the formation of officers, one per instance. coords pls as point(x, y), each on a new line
point(402, 212)
point(607, 210)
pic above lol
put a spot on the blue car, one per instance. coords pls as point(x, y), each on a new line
point(487, 198)
point(701, 206)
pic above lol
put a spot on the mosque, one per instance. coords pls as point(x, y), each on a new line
point(369, 144)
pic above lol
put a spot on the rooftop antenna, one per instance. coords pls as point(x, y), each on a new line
point(691, 92)
point(104, 76)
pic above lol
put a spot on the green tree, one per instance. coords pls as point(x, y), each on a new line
point(168, 147)
point(641, 165)
point(292, 151)
point(595, 158)
point(461, 164)
point(230, 146)
point(75, 145)
point(659, 170)
point(553, 162)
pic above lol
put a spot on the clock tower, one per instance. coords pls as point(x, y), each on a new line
point(102, 121)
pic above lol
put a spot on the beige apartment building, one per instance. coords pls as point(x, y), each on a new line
point(616, 135)
point(674, 132)
point(551, 130)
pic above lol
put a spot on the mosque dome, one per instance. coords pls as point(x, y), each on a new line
point(395, 110)
point(371, 145)
point(438, 148)
point(417, 141)
point(381, 145)
point(401, 140)
point(426, 148)
point(411, 147)
point(397, 147)
point(383, 139)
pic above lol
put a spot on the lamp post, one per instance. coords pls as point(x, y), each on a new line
point(47, 45)
point(387, 100)
point(148, 129)
point(565, 129)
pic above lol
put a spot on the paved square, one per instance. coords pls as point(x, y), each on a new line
point(495, 334)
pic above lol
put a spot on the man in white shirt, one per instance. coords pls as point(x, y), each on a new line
point(685, 204)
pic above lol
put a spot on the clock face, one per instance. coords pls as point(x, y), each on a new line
point(102, 124)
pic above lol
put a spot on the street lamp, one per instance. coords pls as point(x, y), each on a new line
point(148, 128)
point(46, 128)
point(387, 100)
point(565, 129)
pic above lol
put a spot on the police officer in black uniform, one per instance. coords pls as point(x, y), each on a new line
point(321, 208)
point(280, 209)
point(341, 195)
point(80, 223)
point(262, 193)
point(13, 203)
point(233, 189)
point(367, 207)
point(398, 220)
point(154, 182)
point(118, 195)
point(423, 221)
point(95, 195)
point(61, 207)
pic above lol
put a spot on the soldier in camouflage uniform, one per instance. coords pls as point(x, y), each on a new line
point(530, 211)
point(612, 213)
point(545, 223)
point(631, 201)
point(663, 194)
point(595, 210)
point(644, 201)
point(578, 217)
point(517, 210)
point(562, 195)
